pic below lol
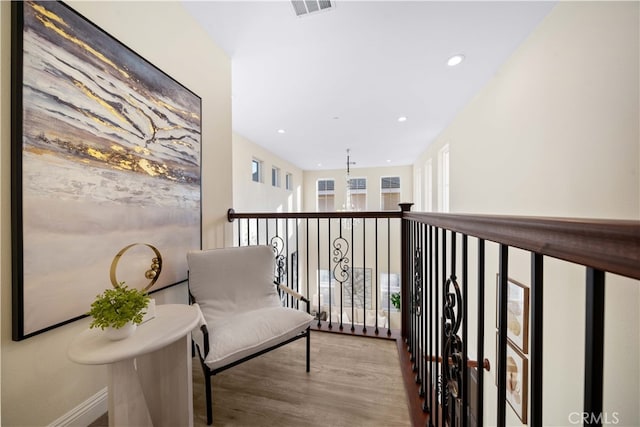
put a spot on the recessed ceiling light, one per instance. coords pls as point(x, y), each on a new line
point(319, 165)
point(455, 60)
point(402, 119)
point(280, 130)
point(388, 161)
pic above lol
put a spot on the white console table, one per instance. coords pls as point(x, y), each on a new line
point(149, 372)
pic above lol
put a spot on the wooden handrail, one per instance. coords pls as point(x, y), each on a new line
point(233, 215)
point(608, 245)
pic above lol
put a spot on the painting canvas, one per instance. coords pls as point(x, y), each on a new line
point(358, 289)
point(106, 153)
point(361, 280)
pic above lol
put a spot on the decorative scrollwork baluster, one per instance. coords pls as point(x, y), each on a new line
point(277, 243)
point(341, 268)
point(341, 271)
point(417, 281)
point(439, 388)
point(452, 351)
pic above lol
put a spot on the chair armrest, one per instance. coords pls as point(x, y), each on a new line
point(291, 292)
point(202, 342)
point(205, 338)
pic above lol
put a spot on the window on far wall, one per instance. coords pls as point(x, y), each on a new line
point(275, 176)
point(288, 181)
point(417, 189)
point(358, 190)
point(428, 186)
point(256, 170)
point(443, 179)
point(326, 195)
point(390, 193)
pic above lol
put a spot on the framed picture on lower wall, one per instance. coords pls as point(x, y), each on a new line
point(517, 313)
point(517, 381)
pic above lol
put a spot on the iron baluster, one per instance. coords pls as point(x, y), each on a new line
point(536, 338)
point(266, 231)
point(318, 264)
point(418, 281)
point(341, 265)
point(377, 274)
point(329, 269)
point(452, 352)
point(280, 265)
point(429, 320)
point(436, 328)
point(594, 347)
point(422, 346)
point(480, 406)
point(389, 276)
point(353, 244)
point(364, 280)
point(414, 285)
point(278, 247)
point(502, 334)
point(444, 392)
point(306, 221)
point(417, 299)
point(288, 273)
point(464, 305)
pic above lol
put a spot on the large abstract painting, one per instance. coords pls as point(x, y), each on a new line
point(106, 153)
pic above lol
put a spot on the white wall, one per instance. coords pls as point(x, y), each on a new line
point(39, 383)
point(250, 196)
point(556, 133)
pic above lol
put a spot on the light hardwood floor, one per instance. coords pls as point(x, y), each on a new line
point(354, 381)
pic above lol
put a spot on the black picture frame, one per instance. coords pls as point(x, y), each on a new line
point(106, 152)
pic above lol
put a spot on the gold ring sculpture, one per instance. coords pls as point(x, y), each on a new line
point(152, 274)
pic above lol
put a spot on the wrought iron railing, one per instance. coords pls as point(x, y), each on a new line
point(436, 252)
point(347, 263)
point(327, 256)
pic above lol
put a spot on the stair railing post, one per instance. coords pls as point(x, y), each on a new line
point(405, 273)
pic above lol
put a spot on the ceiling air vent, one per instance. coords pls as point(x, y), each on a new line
point(305, 7)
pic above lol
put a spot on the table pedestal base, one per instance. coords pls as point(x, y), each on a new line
point(153, 389)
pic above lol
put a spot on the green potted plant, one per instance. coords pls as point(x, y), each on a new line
point(119, 311)
point(395, 300)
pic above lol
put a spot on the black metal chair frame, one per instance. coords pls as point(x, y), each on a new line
point(208, 372)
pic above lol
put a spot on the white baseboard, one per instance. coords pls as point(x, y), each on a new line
point(85, 413)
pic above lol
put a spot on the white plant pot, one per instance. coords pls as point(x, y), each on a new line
point(151, 311)
point(121, 333)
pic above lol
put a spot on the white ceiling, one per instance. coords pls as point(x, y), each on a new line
point(340, 78)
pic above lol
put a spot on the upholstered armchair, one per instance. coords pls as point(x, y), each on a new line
point(242, 313)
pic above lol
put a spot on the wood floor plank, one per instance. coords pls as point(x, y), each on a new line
point(353, 381)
